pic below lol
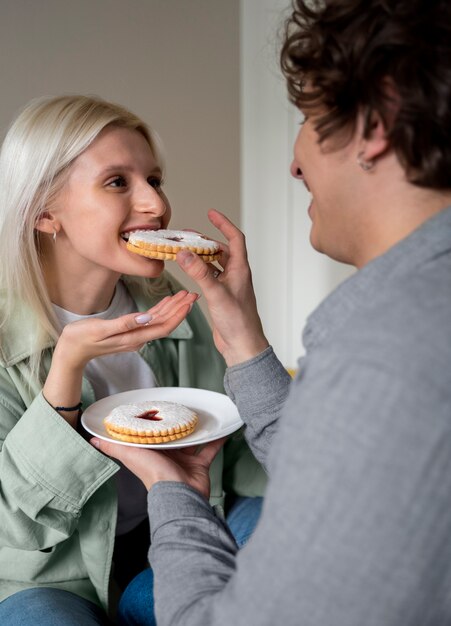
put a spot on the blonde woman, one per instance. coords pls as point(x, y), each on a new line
point(83, 318)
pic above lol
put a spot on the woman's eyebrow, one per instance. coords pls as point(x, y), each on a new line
point(124, 168)
point(115, 168)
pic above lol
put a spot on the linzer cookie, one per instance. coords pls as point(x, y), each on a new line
point(164, 244)
point(150, 422)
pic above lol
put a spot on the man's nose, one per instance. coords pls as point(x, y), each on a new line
point(295, 170)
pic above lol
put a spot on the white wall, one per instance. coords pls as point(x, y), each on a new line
point(290, 278)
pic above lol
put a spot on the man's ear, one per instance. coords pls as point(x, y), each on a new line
point(374, 142)
point(376, 128)
point(47, 223)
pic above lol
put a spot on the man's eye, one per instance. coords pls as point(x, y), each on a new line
point(119, 181)
point(155, 182)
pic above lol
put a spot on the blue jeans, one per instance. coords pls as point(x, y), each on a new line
point(44, 606)
point(136, 606)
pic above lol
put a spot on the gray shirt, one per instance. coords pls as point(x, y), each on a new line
point(356, 524)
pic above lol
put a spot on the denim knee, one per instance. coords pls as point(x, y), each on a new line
point(136, 606)
point(45, 606)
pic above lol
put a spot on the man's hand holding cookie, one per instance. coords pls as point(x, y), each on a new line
point(237, 328)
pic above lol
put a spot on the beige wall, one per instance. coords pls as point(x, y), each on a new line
point(173, 62)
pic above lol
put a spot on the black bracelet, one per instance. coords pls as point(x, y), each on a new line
point(77, 407)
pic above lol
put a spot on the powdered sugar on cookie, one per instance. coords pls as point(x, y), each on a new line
point(173, 238)
point(150, 422)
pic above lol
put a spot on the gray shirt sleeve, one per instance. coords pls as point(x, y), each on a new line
point(259, 388)
point(356, 523)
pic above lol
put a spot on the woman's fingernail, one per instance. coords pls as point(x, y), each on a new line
point(95, 443)
point(144, 318)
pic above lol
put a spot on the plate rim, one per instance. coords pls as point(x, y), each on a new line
point(235, 425)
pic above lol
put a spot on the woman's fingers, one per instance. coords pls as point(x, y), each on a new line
point(171, 309)
point(93, 338)
point(162, 324)
point(167, 308)
point(170, 301)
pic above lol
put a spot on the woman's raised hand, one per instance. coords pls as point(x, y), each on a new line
point(230, 297)
point(84, 340)
point(87, 339)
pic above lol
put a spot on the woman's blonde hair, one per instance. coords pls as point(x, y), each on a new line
point(41, 144)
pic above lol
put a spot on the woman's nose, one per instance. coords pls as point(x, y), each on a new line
point(295, 170)
point(150, 199)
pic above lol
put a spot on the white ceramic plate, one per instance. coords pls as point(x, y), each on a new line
point(218, 416)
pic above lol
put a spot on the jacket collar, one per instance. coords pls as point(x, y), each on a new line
point(19, 338)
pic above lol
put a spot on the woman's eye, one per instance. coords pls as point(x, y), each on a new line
point(155, 182)
point(119, 181)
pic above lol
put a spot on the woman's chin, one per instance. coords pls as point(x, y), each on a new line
point(149, 268)
point(156, 268)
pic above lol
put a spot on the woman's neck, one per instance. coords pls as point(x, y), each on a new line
point(81, 302)
point(78, 292)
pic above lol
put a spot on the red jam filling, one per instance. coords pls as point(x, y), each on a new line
point(150, 415)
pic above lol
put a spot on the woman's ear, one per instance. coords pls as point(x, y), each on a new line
point(47, 223)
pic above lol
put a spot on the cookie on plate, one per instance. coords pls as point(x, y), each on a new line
point(164, 244)
point(150, 422)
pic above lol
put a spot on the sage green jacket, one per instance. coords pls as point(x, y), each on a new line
point(57, 502)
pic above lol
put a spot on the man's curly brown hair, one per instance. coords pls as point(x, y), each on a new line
point(377, 56)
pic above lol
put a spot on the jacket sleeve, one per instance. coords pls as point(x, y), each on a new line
point(47, 472)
